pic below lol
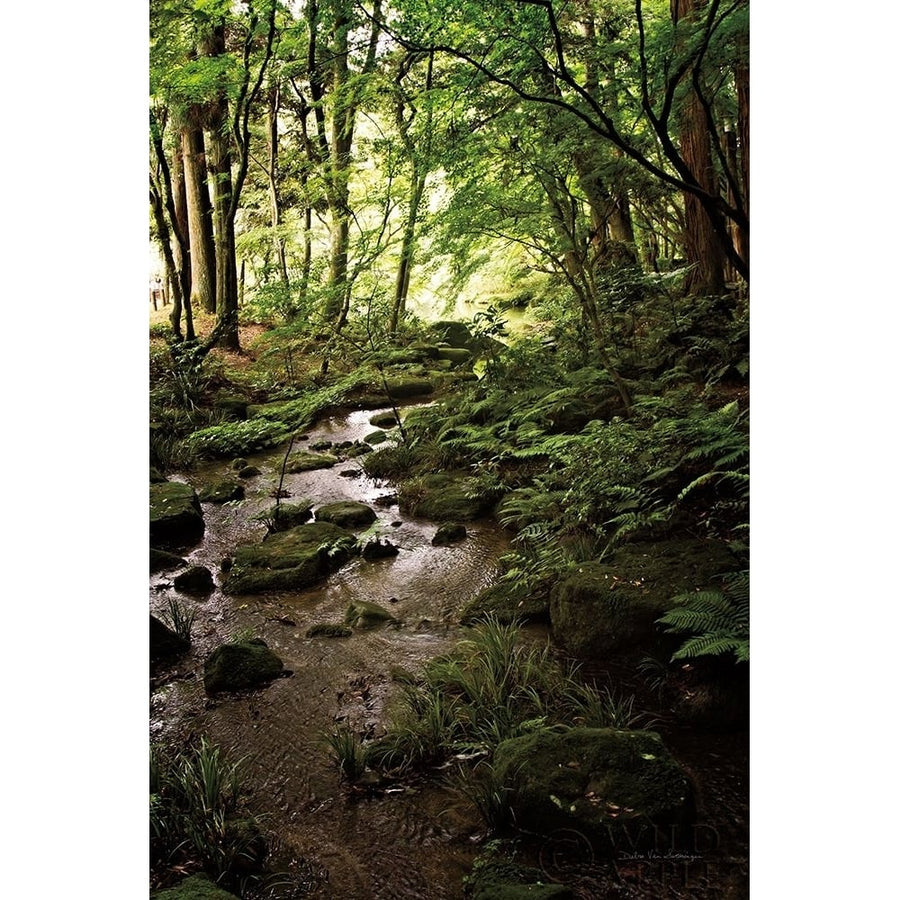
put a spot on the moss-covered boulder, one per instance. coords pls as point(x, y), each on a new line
point(307, 462)
point(456, 334)
point(383, 420)
point(287, 515)
point(197, 887)
point(449, 533)
point(498, 879)
point(156, 477)
point(613, 605)
point(403, 386)
point(176, 519)
point(347, 514)
point(164, 643)
point(364, 614)
point(162, 561)
point(223, 491)
point(508, 602)
point(249, 472)
point(445, 497)
point(456, 356)
point(592, 780)
point(360, 448)
point(233, 407)
point(239, 463)
point(194, 580)
point(240, 665)
point(290, 560)
point(375, 437)
point(328, 630)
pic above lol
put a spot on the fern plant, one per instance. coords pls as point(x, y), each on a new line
point(719, 621)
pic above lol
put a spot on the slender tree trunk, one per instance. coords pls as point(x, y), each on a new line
point(165, 243)
point(272, 174)
point(702, 246)
point(742, 85)
point(407, 248)
point(200, 220)
point(183, 246)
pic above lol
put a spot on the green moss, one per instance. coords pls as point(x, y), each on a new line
point(175, 516)
point(363, 614)
point(241, 665)
point(237, 438)
point(508, 602)
point(290, 560)
point(329, 630)
point(445, 497)
point(499, 879)
point(307, 462)
point(383, 420)
point(222, 491)
point(197, 887)
point(290, 515)
point(456, 356)
point(375, 437)
point(591, 779)
point(449, 533)
point(347, 514)
point(613, 605)
point(401, 387)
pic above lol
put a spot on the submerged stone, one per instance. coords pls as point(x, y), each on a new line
point(240, 665)
point(383, 420)
point(449, 533)
point(176, 519)
point(195, 580)
point(286, 515)
point(347, 514)
point(328, 630)
point(364, 614)
point(613, 605)
point(290, 560)
point(591, 779)
point(222, 491)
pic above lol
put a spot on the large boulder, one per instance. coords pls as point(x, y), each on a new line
point(290, 560)
point(383, 420)
point(162, 560)
point(402, 386)
point(365, 614)
point(594, 780)
point(347, 514)
point(176, 519)
point(197, 887)
point(164, 643)
point(241, 665)
point(445, 497)
point(610, 606)
point(456, 334)
point(449, 533)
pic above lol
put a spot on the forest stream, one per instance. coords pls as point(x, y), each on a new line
point(410, 842)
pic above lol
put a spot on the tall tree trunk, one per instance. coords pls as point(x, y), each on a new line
point(165, 243)
point(702, 246)
point(407, 248)
point(200, 220)
point(742, 85)
point(182, 246)
point(272, 174)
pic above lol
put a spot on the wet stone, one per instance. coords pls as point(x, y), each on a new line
point(240, 665)
point(222, 492)
point(195, 580)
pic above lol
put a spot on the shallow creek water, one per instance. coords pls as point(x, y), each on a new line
point(415, 842)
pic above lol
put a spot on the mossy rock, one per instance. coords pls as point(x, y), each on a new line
point(364, 614)
point(456, 356)
point(456, 334)
point(449, 533)
point(222, 491)
point(329, 630)
point(423, 349)
point(240, 665)
point(233, 407)
point(290, 515)
point(249, 472)
point(375, 437)
point(508, 602)
point(162, 560)
point(611, 606)
point(156, 477)
point(383, 420)
point(321, 445)
point(164, 643)
point(595, 780)
point(239, 463)
point(290, 560)
point(308, 462)
point(402, 387)
point(176, 519)
point(444, 497)
point(360, 449)
point(197, 887)
point(498, 879)
point(347, 514)
point(195, 580)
